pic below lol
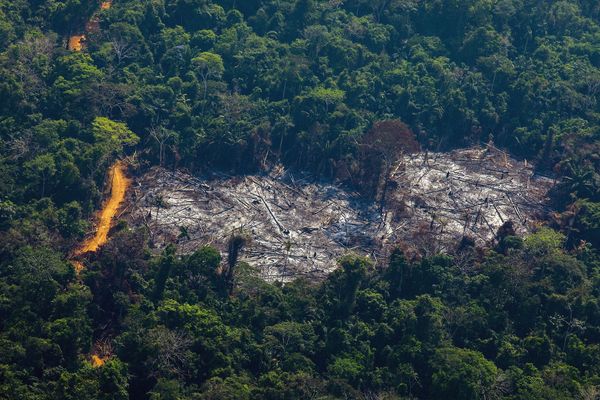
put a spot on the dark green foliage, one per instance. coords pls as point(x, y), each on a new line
point(338, 88)
point(462, 374)
point(516, 326)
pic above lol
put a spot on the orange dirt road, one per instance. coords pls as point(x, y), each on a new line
point(118, 188)
point(119, 184)
point(76, 41)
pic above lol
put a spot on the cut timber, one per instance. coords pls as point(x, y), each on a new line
point(281, 228)
point(299, 226)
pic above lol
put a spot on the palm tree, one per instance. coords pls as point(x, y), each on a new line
point(581, 181)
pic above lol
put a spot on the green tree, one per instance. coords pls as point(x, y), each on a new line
point(41, 168)
point(112, 135)
point(462, 374)
point(208, 66)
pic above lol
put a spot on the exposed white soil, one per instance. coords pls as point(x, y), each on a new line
point(300, 227)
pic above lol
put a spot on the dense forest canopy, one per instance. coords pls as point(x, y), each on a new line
point(240, 86)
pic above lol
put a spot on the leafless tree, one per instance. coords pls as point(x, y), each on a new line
point(122, 48)
point(568, 323)
point(589, 393)
point(172, 350)
point(111, 98)
point(378, 396)
point(335, 3)
point(162, 136)
point(499, 389)
point(104, 349)
point(31, 61)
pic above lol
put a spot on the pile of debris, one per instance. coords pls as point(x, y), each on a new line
point(295, 227)
point(298, 226)
point(465, 193)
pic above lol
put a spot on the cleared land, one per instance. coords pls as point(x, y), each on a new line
point(299, 226)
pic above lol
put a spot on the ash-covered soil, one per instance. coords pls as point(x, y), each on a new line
point(300, 227)
point(469, 192)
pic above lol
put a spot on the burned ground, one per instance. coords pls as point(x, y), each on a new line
point(299, 227)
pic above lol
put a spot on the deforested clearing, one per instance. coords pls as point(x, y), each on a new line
point(299, 226)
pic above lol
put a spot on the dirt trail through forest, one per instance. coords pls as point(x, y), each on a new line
point(119, 180)
point(76, 41)
point(119, 185)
